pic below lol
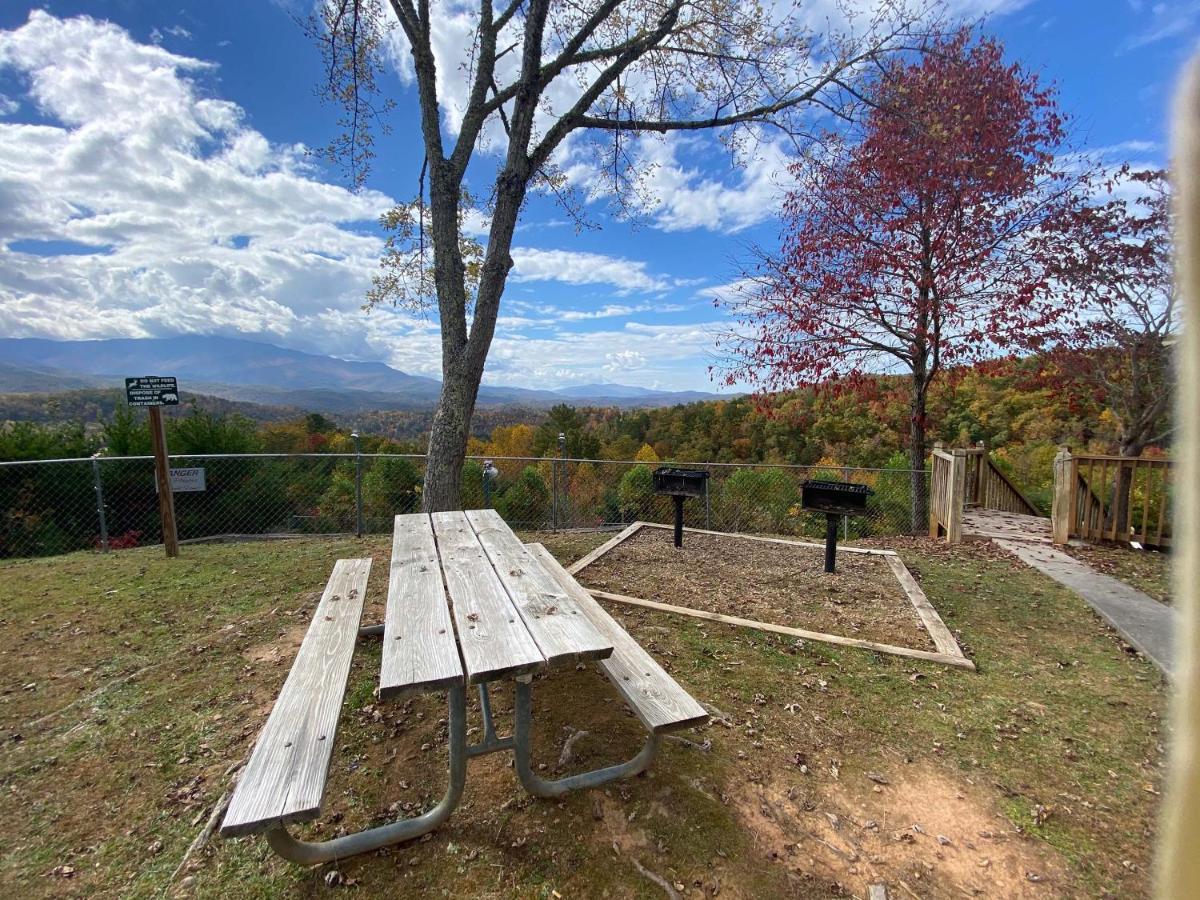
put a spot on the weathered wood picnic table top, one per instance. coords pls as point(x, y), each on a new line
point(511, 616)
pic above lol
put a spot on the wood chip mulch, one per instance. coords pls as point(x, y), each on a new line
point(776, 583)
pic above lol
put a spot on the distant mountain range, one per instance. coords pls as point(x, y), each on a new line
point(252, 371)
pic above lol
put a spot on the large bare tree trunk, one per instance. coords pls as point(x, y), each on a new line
point(448, 444)
point(464, 352)
point(1118, 508)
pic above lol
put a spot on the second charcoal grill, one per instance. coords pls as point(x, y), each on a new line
point(680, 484)
point(835, 499)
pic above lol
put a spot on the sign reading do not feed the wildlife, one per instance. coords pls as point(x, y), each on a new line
point(152, 390)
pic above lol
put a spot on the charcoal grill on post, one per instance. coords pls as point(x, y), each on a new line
point(835, 499)
point(679, 484)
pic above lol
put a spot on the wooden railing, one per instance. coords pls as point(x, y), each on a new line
point(989, 487)
point(947, 490)
point(1112, 498)
point(962, 478)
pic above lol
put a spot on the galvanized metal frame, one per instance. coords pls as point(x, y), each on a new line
point(520, 742)
point(311, 853)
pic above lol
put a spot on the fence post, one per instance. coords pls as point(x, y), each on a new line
point(957, 498)
point(562, 446)
point(1061, 507)
point(707, 508)
point(100, 502)
point(358, 507)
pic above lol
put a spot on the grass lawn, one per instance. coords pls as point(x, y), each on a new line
point(1146, 570)
point(131, 685)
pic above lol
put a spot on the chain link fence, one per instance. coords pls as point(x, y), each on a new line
point(59, 506)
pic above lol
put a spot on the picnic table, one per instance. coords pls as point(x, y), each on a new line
point(467, 603)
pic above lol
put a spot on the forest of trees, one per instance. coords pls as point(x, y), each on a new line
point(1021, 409)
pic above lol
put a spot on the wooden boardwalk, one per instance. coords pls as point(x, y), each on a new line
point(992, 523)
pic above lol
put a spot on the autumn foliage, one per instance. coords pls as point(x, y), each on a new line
point(921, 240)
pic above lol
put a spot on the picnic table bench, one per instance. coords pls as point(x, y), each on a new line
point(467, 603)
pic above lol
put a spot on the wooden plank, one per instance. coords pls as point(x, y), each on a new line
point(944, 658)
point(653, 695)
point(955, 499)
point(494, 640)
point(769, 540)
point(943, 639)
point(562, 632)
point(419, 649)
point(1016, 498)
point(285, 777)
point(604, 548)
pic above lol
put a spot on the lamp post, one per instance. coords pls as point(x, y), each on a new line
point(490, 474)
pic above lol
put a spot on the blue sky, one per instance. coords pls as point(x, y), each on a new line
point(154, 180)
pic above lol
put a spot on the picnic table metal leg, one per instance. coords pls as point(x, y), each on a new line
point(311, 853)
point(541, 787)
point(490, 743)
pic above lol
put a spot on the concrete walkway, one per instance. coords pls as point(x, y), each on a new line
point(1142, 621)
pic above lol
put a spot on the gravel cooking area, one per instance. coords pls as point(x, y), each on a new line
point(780, 584)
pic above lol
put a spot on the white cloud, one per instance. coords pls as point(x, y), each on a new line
point(665, 355)
point(729, 292)
point(679, 197)
point(573, 267)
point(203, 223)
point(180, 218)
point(1163, 22)
point(624, 361)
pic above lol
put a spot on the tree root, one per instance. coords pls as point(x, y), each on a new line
point(210, 826)
point(688, 742)
point(568, 747)
point(657, 879)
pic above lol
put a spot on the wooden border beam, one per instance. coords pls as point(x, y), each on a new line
point(604, 548)
point(947, 659)
point(948, 652)
point(754, 537)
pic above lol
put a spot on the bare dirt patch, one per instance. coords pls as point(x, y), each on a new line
point(783, 584)
point(278, 651)
point(922, 832)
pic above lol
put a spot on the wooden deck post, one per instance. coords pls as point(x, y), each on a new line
point(1062, 508)
point(935, 489)
point(957, 498)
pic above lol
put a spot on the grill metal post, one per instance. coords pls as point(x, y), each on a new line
point(678, 498)
point(831, 536)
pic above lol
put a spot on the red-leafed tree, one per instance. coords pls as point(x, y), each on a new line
point(920, 239)
point(1118, 263)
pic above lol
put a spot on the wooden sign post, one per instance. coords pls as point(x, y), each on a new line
point(155, 392)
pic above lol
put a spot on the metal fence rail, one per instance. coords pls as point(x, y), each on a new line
point(58, 506)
